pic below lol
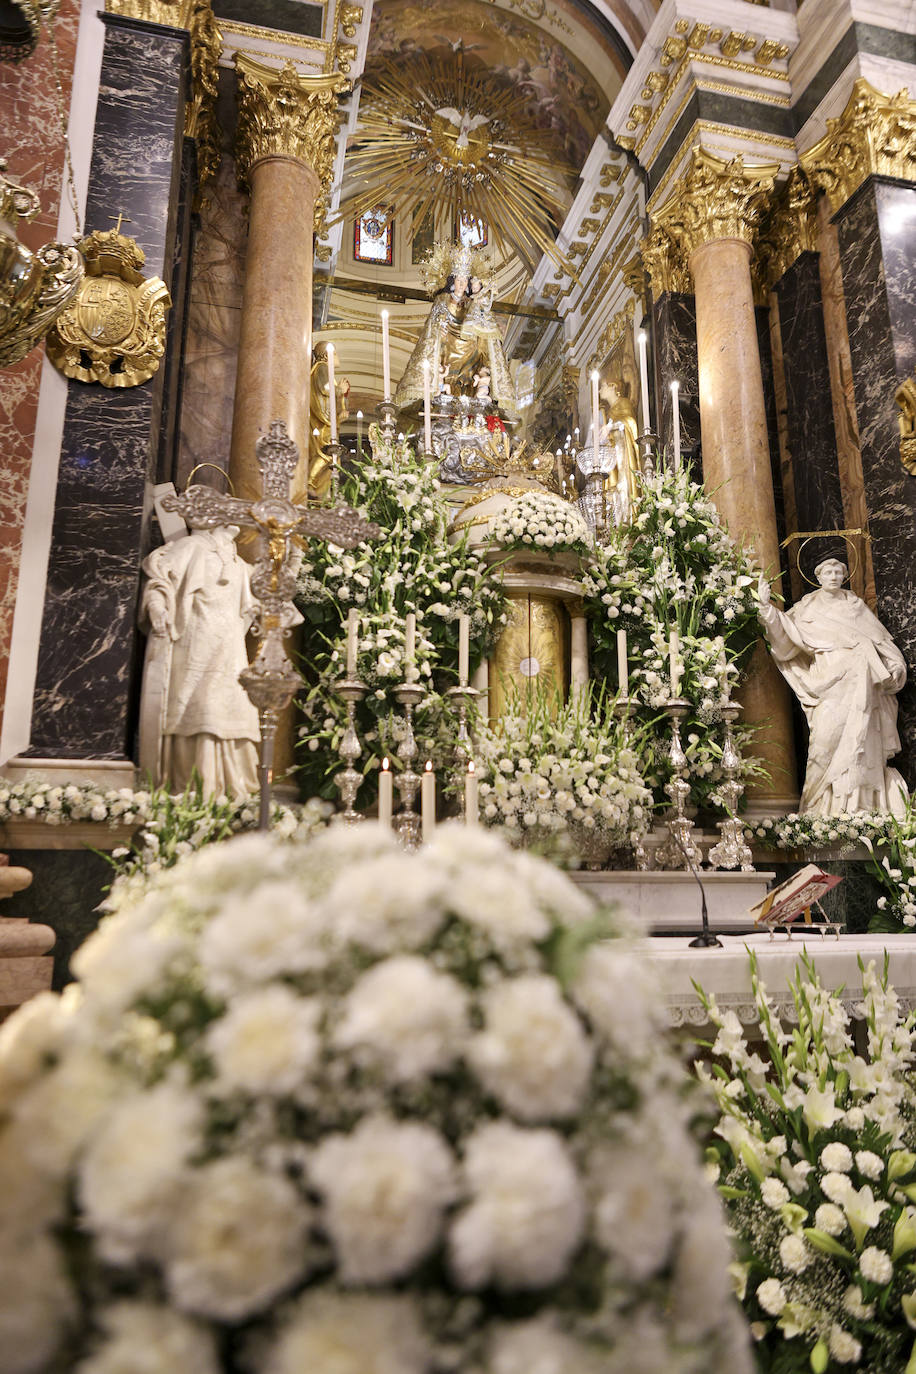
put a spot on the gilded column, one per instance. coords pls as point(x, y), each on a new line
point(711, 218)
point(866, 164)
point(284, 153)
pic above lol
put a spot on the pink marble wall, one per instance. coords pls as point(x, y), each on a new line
point(214, 316)
point(34, 150)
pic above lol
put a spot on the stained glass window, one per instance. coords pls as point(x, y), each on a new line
point(473, 231)
point(373, 236)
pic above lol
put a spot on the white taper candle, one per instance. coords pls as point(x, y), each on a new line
point(470, 796)
point(385, 794)
point(464, 647)
point(386, 358)
point(644, 379)
point(427, 415)
point(623, 675)
point(332, 394)
point(352, 640)
point(676, 420)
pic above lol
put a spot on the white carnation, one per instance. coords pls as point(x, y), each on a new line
point(540, 1347)
point(618, 991)
point(869, 1164)
point(836, 1157)
point(844, 1348)
point(134, 1163)
point(774, 1193)
point(387, 904)
point(533, 1054)
point(145, 1338)
point(83, 1080)
point(258, 936)
point(830, 1219)
point(526, 1216)
point(236, 1242)
point(405, 1017)
point(494, 899)
point(267, 1042)
point(34, 1032)
point(385, 1189)
point(125, 957)
point(36, 1303)
point(794, 1254)
point(771, 1296)
point(634, 1213)
point(875, 1265)
point(836, 1186)
point(342, 1333)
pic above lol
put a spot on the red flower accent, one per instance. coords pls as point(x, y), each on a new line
point(494, 423)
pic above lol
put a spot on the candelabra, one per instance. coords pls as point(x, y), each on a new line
point(407, 822)
point(622, 708)
point(348, 780)
point(387, 410)
point(462, 697)
point(679, 850)
point(732, 850)
point(648, 446)
point(336, 450)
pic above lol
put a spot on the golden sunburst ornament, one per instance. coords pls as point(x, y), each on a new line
point(436, 131)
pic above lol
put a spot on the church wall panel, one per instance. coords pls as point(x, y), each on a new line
point(88, 659)
point(34, 150)
point(675, 320)
point(877, 236)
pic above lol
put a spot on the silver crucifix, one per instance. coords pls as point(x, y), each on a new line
point(271, 679)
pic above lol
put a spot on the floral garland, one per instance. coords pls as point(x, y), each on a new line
point(816, 1155)
point(546, 768)
point(538, 520)
point(419, 1119)
point(64, 804)
point(675, 567)
point(412, 567)
point(806, 831)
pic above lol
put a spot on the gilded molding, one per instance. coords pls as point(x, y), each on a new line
point(874, 136)
point(716, 199)
point(201, 122)
point(905, 396)
point(283, 113)
point(622, 321)
point(788, 228)
point(665, 263)
point(177, 14)
point(633, 276)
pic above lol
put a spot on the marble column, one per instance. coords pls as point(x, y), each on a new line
point(284, 154)
point(88, 665)
point(712, 215)
point(867, 166)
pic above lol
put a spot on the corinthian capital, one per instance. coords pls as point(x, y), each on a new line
point(874, 136)
point(283, 113)
point(716, 199)
point(665, 263)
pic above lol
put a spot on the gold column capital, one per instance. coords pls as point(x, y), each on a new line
point(716, 199)
point(874, 136)
point(788, 228)
point(665, 263)
point(283, 113)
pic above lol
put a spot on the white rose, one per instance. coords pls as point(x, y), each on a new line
point(145, 1338)
point(343, 1333)
point(134, 1164)
point(236, 1242)
point(405, 1017)
point(527, 1214)
point(267, 1042)
point(385, 1189)
point(532, 1054)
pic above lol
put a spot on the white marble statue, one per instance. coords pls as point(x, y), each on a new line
point(196, 608)
point(845, 670)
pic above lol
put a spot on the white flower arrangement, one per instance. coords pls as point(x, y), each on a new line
point(539, 520)
point(816, 1157)
point(548, 768)
point(807, 831)
point(61, 804)
point(296, 1118)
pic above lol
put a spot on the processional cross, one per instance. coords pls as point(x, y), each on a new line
point(271, 679)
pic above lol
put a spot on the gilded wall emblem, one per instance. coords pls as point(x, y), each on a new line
point(114, 330)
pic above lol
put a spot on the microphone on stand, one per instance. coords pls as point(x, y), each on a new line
point(706, 939)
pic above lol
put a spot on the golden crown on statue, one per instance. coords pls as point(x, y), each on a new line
point(447, 259)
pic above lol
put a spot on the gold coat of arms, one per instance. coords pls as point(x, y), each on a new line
point(113, 332)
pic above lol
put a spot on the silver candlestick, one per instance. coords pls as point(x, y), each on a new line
point(407, 822)
point(679, 849)
point(732, 850)
point(463, 697)
point(336, 450)
point(622, 709)
point(388, 411)
point(348, 780)
point(648, 446)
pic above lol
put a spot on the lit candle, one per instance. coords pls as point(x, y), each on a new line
point(352, 640)
point(676, 421)
point(623, 676)
point(560, 478)
point(595, 415)
point(464, 646)
point(470, 796)
point(386, 358)
point(410, 645)
point(332, 394)
point(428, 801)
point(644, 380)
point(427, 403)
point(359, 428)
point(385, 794)
point(675, 662)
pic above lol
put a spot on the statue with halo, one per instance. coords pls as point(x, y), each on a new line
point(846, 671)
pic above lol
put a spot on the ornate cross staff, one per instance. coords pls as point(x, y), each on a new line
point(271, 679)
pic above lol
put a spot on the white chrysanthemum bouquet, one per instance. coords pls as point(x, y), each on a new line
point(335, 1109)
point(538, 520)
point(817, 1161)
